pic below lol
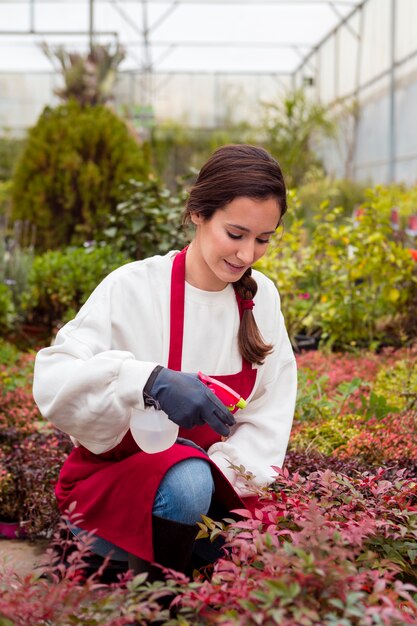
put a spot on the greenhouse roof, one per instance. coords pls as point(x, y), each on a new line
point(172, 36)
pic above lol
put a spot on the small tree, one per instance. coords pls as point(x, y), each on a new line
point(69, 176)
point(291, 126)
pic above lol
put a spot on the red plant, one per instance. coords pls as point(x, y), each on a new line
point(344, 367)
point(393, 438)
point(321, 560)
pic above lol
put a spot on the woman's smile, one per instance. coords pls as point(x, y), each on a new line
point(235, 268)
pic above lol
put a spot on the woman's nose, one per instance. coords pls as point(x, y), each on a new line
point(246, 252)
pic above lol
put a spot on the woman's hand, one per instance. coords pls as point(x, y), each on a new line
point(186, 400)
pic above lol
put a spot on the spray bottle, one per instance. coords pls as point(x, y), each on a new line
point(154, 432)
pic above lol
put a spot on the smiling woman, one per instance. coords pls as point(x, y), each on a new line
point(128, 349)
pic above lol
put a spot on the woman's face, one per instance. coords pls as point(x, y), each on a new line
point(226, 245)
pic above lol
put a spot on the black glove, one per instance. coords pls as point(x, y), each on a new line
point(186, 400)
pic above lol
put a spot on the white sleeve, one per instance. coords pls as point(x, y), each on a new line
point(83, 386)
point(260, 437)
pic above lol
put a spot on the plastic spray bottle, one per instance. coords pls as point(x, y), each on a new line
point(154, 432)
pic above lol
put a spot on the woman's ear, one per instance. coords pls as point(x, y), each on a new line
point(196, 219)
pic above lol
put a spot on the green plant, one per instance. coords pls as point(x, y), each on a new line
point(8, 314)
point(69, 175)
point(10, 149)
point(16, 258)
point(148, 221)
point(5, 197)
point(290, 127)
point(339, 193)
point(175, 148)
point(332, 284)
point(60, 282)
point(398, 384)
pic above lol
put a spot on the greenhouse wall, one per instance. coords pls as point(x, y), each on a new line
point(204, 100)
point(197, 100)
point(23, 97)
point(370, 59)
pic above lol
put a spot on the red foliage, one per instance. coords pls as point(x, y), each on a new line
point(343, 367)
point(320, 560)
point(393, 438)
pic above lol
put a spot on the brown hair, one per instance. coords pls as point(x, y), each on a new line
point(233, 171)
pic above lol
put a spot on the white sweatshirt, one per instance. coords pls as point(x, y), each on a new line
point(88, 381)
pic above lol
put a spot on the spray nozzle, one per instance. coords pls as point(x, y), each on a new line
point(225, 394)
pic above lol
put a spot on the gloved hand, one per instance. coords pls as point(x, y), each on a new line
point(186, 400)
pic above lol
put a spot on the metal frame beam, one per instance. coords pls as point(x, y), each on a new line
point(185, 2)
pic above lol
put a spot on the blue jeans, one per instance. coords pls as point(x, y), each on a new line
point(184, 494)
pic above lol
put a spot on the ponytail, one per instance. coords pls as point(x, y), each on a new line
point(252, 347)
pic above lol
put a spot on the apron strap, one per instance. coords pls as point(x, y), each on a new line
point(177, 304)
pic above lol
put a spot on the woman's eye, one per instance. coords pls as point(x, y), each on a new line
point(233, 236)
point(262, 240)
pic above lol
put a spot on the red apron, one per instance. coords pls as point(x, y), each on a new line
point(109, 489)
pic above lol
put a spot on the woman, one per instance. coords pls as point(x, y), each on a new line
point(138, 342)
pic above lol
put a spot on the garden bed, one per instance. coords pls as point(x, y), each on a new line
point(334, 544)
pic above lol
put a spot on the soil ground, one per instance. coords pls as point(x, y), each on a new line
point(21, 556)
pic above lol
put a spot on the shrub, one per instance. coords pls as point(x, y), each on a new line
point(326, 551)
point(62, 596)
point(290, 128)
point(339, 193)
point(369, 418)
point(393, 438)
point(8, 314)
point(69, 175)
point(148, 221)
point(325, 435)
point(33, 465)
point(398, 383)
point(333, 285)
point(10, 149)
point(31, 450)
point(5, 196)
point(16, 254)
point(60, 282)
point(15, 368)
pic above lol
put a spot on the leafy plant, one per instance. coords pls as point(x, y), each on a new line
point(33, 466)
point(317, 187)
point(398, 383)
point(63, 595)
point(5, 196)
point(16, 254)
point(16, 369)
point(344, 415)
point(333, 541)
point(31, 450)
point(8, 314)
point(291, 126)
point(60, 282)
point(316, 555)
point(68, 177)
point(148, 221)
point(346, 299)
point(10, 149)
